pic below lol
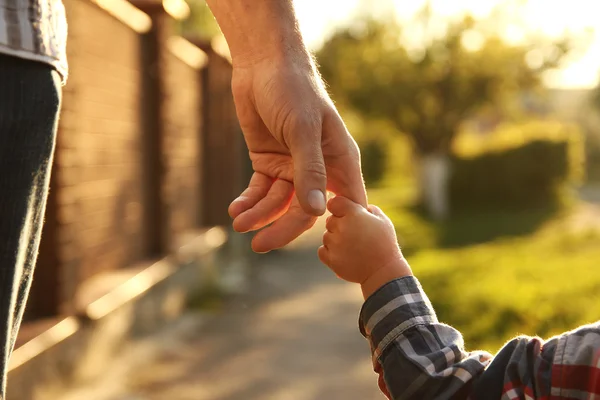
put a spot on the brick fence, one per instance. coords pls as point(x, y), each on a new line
point(148, 147)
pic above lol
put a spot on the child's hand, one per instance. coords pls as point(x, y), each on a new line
point(361, 246)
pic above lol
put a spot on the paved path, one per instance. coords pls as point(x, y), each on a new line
point(587, 216)
point(293, 336)
point(590, 193)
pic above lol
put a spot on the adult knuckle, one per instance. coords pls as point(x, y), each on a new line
point(301, 121)
point(284, 118)
point(315, 167)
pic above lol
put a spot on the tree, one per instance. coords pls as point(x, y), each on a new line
point(428, 89)
point(596, 95)
point(592, 127)
point(201, 23)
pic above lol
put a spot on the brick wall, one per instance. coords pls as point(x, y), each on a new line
point(182, 131)
point(97, 194)
point(132, 154)
point(226, 156)
point(106, 109)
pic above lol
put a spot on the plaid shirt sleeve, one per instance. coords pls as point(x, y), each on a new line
point(418, 357)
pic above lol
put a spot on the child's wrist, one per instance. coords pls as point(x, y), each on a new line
point(396, 269)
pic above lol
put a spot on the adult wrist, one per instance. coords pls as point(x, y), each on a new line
point(273, 55)
point(396, 269)
point(257, 31)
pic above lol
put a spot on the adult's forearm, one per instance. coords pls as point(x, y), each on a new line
point(259, 29)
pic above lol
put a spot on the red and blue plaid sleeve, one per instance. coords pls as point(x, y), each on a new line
point(418, 357)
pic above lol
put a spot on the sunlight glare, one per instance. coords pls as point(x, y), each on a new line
point(320, 18)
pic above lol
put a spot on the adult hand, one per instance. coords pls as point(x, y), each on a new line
point(299, 147)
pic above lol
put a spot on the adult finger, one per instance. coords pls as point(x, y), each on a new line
point(268, 209)
point(257, 189)
point(287, 228)
point(349, 181)
point(310, 177)
point(340, 206)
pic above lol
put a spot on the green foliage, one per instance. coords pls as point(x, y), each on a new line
point(374, 160)
point(427, 90)
point(201, 23)
point(385, 154)
point(596, 97)
point(517, 167)
point(521, 285)
point(494, 275)
point(593, 158)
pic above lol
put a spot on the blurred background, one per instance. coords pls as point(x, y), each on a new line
point(479, 128)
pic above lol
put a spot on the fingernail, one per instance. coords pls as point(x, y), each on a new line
point(316, 199)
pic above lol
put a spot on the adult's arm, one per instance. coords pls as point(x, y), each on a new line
point(299, 145)
point(259, 30)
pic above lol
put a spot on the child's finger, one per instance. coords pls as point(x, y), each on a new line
point(327, 239)
point(340, 206)
point(323, 255)
point(376, 211)
point(331, 223)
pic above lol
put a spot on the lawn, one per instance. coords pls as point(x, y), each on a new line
point(494, 275)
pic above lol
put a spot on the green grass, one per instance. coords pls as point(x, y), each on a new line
point(495, 275)
point(210, 299)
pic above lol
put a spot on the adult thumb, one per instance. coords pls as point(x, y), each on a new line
point(310, 177)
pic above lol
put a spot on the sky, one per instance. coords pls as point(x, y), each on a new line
point(319, 18)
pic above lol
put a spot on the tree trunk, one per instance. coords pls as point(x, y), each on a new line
point(434, 180)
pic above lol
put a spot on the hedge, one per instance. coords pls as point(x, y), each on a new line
point(517, 166)
point(373, 160)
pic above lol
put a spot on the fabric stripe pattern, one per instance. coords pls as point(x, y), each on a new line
point(35, 30)
point(417, 357)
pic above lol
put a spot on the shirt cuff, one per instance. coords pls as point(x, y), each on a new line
point(396, 307)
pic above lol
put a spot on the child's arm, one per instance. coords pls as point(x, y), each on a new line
point(418, 357)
